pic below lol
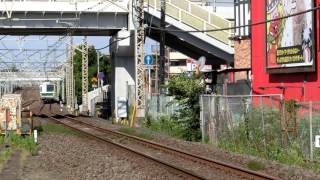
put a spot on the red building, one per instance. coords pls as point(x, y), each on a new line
point(285, 54)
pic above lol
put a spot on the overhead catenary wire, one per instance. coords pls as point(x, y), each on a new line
point(221, 29)
point(120, 39)
point(242, 26)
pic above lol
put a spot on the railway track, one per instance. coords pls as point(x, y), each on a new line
point(164, 155)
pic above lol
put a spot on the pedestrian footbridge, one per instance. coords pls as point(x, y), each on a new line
point(107, 17)
point(187, 16)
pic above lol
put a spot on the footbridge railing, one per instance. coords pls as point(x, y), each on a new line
point(197, 17)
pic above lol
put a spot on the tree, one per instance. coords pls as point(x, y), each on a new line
point(105, 66)
point(186, 92)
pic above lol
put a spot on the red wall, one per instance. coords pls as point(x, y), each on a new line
point(298, 86)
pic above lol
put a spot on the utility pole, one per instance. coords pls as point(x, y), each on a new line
point(98, 68)
point(162, 46)
point(140, 88)
point(72, 94)
point(68, 82)
point(85, 75)
point(69, 77)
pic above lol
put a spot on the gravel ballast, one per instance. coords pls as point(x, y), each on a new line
point(72, 157)
point(271, 167)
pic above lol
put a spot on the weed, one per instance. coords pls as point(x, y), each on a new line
point(59, 129)
point(166, 125)
point(255, 165)
point(1, 139)
point(4, 156)
point(206, 139)
point(24, 143)
point(133, 132)
point(265, 140)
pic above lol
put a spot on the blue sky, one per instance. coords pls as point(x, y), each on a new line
point(102, 41)
point(26, 60)
point(30, 43)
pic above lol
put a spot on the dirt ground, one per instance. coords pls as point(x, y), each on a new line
point(12, 168)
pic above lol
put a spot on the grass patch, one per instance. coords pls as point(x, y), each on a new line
point(133, 132)
point(24, 143)
point(58, 129)
point(252, 137)
point(255, 165)
point(4, 156)
point(165, 125)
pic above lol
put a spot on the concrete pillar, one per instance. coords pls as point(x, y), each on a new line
point(123, 63)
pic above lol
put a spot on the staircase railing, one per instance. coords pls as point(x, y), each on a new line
point(197, 17)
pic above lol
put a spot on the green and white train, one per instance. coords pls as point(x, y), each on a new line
point(49, 92)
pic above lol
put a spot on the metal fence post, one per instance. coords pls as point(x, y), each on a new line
point(310, 130)
point(263, 129)
point(201, 118)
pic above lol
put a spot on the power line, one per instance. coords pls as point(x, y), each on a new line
point(221, 29)
point(120, 39)
point(242, 26)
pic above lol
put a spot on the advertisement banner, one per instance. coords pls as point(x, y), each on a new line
point(289, 41)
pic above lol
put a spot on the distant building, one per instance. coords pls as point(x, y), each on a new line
point(178, 62)
point(242, 36)
point(223, 8)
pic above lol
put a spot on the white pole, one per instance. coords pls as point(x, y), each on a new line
point(149, 83)
point(35, 136)
point(98, 68)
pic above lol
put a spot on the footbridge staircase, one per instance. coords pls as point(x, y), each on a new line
point(183, 15)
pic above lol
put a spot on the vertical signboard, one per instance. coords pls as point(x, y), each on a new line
point(289, 41)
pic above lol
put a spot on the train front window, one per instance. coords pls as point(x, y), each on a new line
point(50, 88)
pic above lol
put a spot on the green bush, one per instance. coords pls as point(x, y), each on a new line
point(186, 92)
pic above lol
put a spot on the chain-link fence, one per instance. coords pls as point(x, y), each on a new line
point(159, 105)
point(260, 123)
point(304, 128)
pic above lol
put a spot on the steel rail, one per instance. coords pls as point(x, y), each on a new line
point(211, 162)
point(181, 171)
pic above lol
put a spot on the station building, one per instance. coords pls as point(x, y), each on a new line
point(285, 53)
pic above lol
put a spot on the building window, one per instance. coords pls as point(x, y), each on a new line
point(242, 17)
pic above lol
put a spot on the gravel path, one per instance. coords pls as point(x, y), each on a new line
point(206, 150)
point(71, 157)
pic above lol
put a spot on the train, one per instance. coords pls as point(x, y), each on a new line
point(49, 92)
